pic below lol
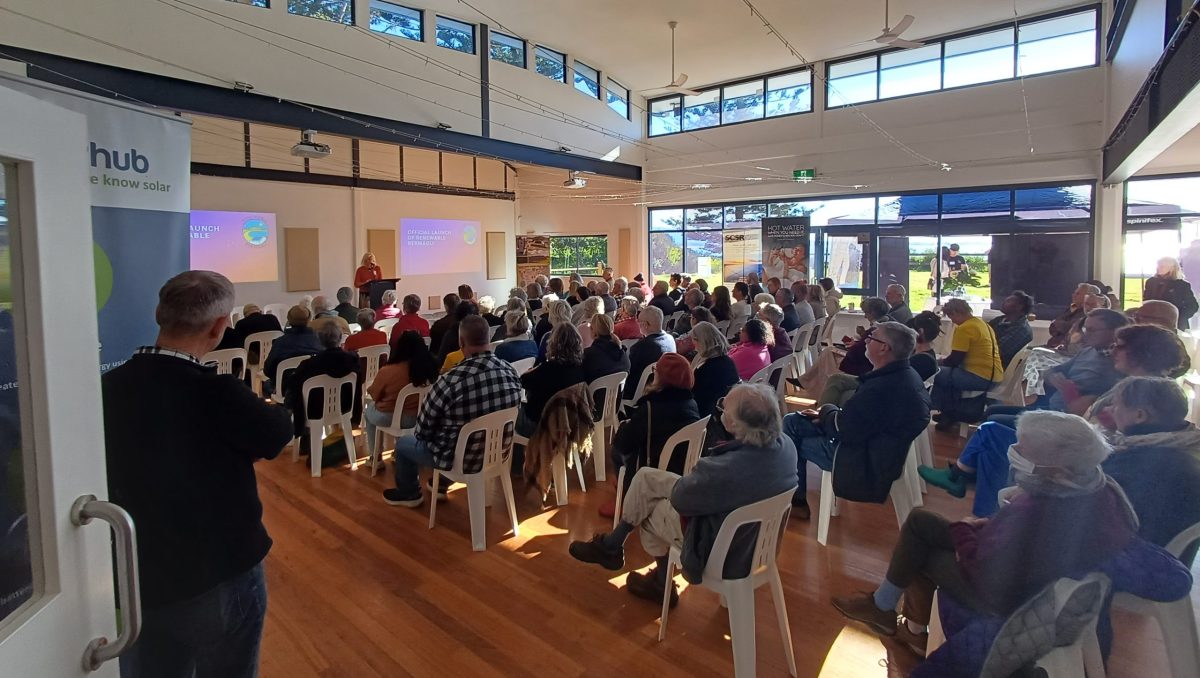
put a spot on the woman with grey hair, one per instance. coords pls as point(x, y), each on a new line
point(994, 565)
point(620, 287)
point(563, 368)
point(557, 312)
point(516, 344)
point(627, 326)
point(712, 367)
point(514, 305)
point(582, 316)
point(518, 293)
point(387, 308)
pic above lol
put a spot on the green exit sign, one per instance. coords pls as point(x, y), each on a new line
point(804, 175)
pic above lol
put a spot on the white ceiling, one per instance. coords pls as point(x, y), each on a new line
point(719, 40)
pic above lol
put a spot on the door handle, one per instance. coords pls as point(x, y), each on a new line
point(83, 511)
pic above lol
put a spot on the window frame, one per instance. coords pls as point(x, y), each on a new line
point(559, 236)
point(266, 4)
point(438, 18)
point(1096, 10)
point(539, 46)
point(575, 64)
point(524, 49)
point(420, 19)
point(761, 80)
point(608, 83)
point(353, 14)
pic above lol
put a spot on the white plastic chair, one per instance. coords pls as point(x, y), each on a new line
point(610, 386)
point(234, 316)
point(376, 357)
point(523, 365)
point(640, 389)
point(537, 315)
point(335, 410)
point(669, 323)
point(775, 372)
point(903, 496)
point(282, 369)
point(355, 328)
point(723, 327)
point(771, 516)
point(558, 471)
point(693, 435)
point(1177, 619)
point(225, 359)
point(628, 343)
point(493, 344)
point(280, 312)
point(801, 357)
point(263, 341)
point(735, 328)
point(497, 463)
point(396, 428)
point(386, 324)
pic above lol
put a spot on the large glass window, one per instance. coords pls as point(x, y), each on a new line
point(549, 63)
point(789, 93)
point(507, 49)
point(618, 97)
point(702, 111)
point(910, 71)
point(1057, 44)
point(1162, 219)
point(587, 79)
point(253, 3)
point(983, 57)
point(339, 11)
point(852, 82)
point(742, 102)
point(664, 116)
point(397, 20)
point(577, 254)
point(456, 35)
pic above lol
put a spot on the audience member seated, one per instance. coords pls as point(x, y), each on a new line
point(487, 308)
point(388, 309)
point(1061, 327)
point(1107, 292)
point(1067, 517)
point(928, 326)
point(627, 326)
point(973, 363)
point(795, 315)
point(582, 316)
point(514, 305)
point(1154, 312)
point(1154, 457)
point(816, 300)
point(534, 293)
point(556, 288)
point(675, 283)
point(840, 385)
point(437, 331)
point(563, 367)
point(781, 342)
point(409, 362)
point(764, 298)
point(517, 345)
point(640, 281)
point(898, 309)
point(368, 336)
point(254, 321)
point(693, 298)
point(573, 292)
point(557, 313)
point(758, 464)
point(872, 431)
point(297, 340)
point(715, 371)
point(1137, 351)
point(323, 315)
point(661, 300)
point(740, 309)
point(637, 293)
point(450, 353)
point(620, 288)
point(773, 285)
point(1012, 329)
point(722, 304)
point(684, 344)
point(465, 293)
point(479, 385)
point(411, 320)
point(606, 355)
point(753, 350)
point(832, 295)
point(345, 307)
point(648, 349)
point(603, 291)
point(752, 285)
point(333, 361)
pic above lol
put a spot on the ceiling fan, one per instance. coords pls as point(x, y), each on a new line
point(676, 85)
point(891, 36)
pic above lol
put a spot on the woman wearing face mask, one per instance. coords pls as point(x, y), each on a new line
point(993, 565)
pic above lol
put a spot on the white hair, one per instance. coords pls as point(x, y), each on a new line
point(753, 411)
point(487, 304)
point(771, 312)
point(191, 301)
point(630, 306)
point(586, 309)
point(710, 343)
point(652, 316)
point(388, 298)
point(1050, 438)
point(764, 298)
point(558, 313)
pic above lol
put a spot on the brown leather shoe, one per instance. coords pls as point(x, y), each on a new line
point(862, 609)
point(917, 642)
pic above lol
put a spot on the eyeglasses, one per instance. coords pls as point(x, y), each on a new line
point(872, 338)
point(720, 404)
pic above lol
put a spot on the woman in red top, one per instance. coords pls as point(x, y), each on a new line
point(368, 271)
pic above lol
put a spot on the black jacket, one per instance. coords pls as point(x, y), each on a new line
point(334, 362)
point(1176, 292)
point(253, 324)
point(791, 318)
point(437, 331)
point(873, 431)
point(658, 416)
point(663, 303)
point(543, 381)
point(348, 311)
point(542, 328)
point(296, 341)
point(642, 355)
point(181, 442)
point(713, 380)
point(603, 358)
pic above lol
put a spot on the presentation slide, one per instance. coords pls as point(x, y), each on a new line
point(238, 245)
point(440, 246)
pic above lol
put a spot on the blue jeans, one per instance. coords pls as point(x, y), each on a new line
point(214, 635)
point(987, 453)
point(949, 384)
point(410, 455)
point(812, 444)
point(373, 419)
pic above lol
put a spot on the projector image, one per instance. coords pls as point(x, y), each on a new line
point(308, 146)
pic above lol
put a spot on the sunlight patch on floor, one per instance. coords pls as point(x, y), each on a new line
point(855, 653)
point(533, 527)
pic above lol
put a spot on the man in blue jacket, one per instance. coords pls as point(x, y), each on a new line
point(872, 433)
point(759, 463)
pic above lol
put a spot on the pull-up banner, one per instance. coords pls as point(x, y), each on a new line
point(139, 165)
point(785, 249)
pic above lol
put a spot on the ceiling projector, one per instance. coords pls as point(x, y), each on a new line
point(308, 146)
point(575, 181)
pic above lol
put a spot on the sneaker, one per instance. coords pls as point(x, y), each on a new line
point(917, 642)
point(596, 552)
point(650, 587)
point(443, 488)
point(801, 510)
point(947, 479)
point(863, 609)
point(395, 497)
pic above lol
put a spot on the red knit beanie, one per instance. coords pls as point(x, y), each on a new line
point(673, 371)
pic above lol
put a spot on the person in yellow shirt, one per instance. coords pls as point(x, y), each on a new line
point(973, 364)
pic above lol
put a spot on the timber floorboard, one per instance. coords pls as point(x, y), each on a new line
point(359, 589)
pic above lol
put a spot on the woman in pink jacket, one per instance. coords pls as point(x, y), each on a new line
point(753, 352)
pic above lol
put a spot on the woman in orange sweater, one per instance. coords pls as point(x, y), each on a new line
point(410, 362)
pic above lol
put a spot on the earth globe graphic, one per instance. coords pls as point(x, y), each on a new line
point(255, 232)
point(470, 234)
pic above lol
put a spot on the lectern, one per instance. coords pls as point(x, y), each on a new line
point(376, 288)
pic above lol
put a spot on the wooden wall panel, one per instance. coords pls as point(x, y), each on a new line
point(422, 166)
point(382, 243)
point(302, 259)
point(458, 170)
point(271, 148)
point(624, 260)
point(218, 141)
point(341, 158)
point(497, 255)
point(489, 174)
point(378, 161)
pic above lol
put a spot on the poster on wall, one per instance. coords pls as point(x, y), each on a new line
point(785, 249)
point(139, 165)
point(533, 257)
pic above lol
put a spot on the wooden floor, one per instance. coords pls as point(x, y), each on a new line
point(359, 589)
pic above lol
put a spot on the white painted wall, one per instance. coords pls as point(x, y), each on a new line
point(343, 216)
point(1139, 51)
point(565, 217)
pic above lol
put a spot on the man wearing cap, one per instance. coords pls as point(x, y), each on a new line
point(297, 340)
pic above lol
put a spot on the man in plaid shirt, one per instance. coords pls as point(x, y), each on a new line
point(479, 385)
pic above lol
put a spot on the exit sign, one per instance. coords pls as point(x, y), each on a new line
point(804, 175)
